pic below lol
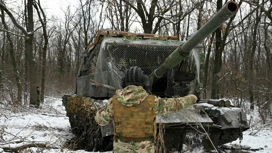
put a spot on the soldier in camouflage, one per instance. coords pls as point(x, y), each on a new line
point(133, 111)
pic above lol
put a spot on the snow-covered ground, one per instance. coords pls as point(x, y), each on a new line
point(258, 137)
point(49, 128)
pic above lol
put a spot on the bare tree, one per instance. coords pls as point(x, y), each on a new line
point(63, 42)
point(152, 14)
point(120, 15)
point(176, 17)
point(219, 48)
point(30, 62)
point(88, 15)
point(206, 66)
point(2, 58)
point(13, 61)
point(255, 72)
point(251, 57)
point(43, 21)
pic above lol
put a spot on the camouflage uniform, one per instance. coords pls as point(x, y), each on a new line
point(134, 95)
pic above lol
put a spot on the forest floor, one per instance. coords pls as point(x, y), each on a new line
point(46, 130)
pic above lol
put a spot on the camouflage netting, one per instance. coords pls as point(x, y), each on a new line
point(81, 112)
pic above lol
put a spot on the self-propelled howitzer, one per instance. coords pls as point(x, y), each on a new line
point(115, 57)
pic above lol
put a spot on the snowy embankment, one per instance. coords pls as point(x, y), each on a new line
point(259, 137)
point(47, 129)
point(38, 130)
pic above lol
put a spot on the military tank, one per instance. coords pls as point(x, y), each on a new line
point(115, 57)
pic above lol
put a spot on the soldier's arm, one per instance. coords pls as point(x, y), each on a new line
point(104, 116)
point(170, 105)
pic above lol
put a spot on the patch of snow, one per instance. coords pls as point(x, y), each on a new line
point(48, 125)
point(258, 137)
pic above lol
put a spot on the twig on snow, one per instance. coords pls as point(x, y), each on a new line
point(25, 146)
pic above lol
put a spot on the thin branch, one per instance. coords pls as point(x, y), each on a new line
point(14, 21)
point(36, 29)
point(12, 33)
point(17, 149)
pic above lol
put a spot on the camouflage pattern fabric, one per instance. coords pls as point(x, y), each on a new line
point(105, 116)
point(134, 95)
point(133, 147)
point(131, 95)
point(170, 105)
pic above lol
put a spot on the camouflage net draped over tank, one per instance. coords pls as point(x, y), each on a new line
point(81, 112)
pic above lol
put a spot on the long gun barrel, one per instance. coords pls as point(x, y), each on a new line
point(228, 10)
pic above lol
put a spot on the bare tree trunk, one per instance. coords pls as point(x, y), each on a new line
point(176, 27)
point(2, 58)
point(26, 82)
point(42, 18)
point(200, 15)
point(220, 45)
point(206, 66)
point(30, 57)
point(251, 59)
point(86, 18)
point(217, 58)
point(188, 27)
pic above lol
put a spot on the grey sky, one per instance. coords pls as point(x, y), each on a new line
point(57, 7)
point(51, 7)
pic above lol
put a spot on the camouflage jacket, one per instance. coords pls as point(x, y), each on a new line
point(134, 95)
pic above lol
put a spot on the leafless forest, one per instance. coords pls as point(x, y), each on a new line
point(40, 50)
